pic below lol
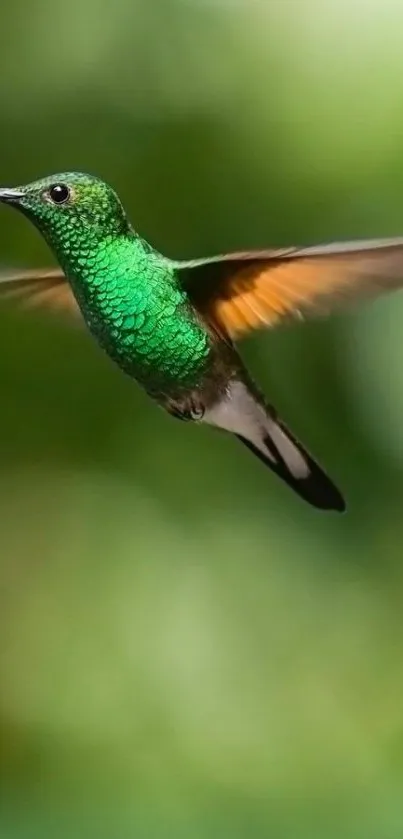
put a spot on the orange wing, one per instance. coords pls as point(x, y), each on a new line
point(246, 291)
point(42, 288)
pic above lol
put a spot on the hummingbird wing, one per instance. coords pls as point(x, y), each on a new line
point(39, 288)
point(240, 292)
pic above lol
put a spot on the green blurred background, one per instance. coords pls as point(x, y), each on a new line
point(187, 650)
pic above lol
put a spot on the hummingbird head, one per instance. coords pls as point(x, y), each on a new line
point(74, 212)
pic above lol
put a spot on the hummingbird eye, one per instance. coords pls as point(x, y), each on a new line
point(59, 193)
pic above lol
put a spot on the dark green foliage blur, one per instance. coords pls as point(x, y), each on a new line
point(187, 651)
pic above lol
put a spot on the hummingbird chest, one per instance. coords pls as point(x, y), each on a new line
point(146, 324)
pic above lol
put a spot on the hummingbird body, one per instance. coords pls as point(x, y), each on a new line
point(171, 325)
point(134, 304)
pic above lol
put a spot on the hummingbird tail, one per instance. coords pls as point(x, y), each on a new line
point(257, 426)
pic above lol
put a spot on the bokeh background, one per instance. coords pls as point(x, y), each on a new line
point(187, 650)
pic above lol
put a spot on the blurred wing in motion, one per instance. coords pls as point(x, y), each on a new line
point(241, 292)
point(39, 288)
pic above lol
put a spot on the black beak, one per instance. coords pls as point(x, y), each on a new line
point(10, 195)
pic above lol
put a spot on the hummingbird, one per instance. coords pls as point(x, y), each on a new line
point(173, 325)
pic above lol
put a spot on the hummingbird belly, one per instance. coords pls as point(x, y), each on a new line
point(166, 351)
point(142, 317)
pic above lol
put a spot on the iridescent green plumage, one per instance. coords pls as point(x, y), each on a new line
point(129, 294)
point(136, 308)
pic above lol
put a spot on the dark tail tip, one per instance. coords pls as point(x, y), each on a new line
point(317, 488)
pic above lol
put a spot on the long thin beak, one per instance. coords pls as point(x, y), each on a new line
point(10, 194)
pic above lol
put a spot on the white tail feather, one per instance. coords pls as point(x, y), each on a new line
point(243, 413)
point(240, 412)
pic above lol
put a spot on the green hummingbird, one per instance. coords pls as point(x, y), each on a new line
point(171, 325)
